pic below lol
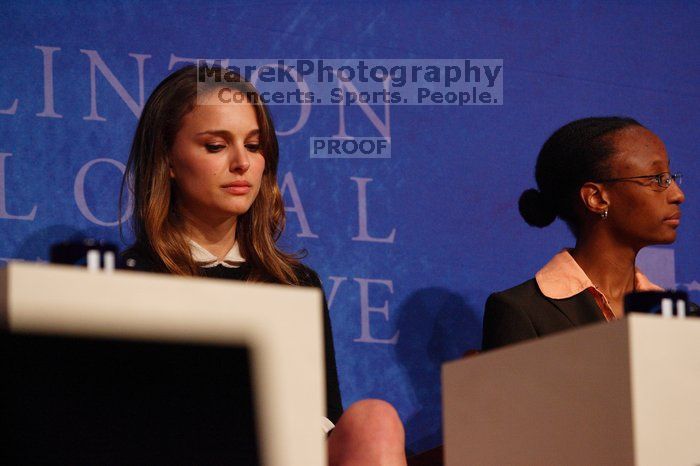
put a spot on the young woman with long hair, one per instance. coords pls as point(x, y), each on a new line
point(202, 173)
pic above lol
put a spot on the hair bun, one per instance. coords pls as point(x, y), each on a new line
point(536, 209)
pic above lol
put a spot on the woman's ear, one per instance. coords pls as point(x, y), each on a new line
point(594, 197)
point(168, 156)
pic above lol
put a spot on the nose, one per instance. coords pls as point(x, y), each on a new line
point(675, 194)
point(239, 159)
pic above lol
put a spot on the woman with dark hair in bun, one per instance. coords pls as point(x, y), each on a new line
point(609, 179)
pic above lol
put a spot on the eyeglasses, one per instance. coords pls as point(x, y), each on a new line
point(662, 179)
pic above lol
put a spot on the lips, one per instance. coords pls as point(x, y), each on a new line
point(237, 187)
point(674, 219)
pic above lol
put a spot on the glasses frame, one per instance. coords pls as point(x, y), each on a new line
point(659, 177)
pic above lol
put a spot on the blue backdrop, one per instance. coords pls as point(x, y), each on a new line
point(441, 228)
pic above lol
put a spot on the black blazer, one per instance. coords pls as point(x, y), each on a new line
point(523, 312)
point(141, 258)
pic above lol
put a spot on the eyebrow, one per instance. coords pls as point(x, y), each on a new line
point(226, 133)
point(659, 162)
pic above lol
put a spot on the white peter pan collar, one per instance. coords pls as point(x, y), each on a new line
point(205, 259)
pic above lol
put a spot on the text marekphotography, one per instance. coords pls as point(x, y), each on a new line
point(358, 81)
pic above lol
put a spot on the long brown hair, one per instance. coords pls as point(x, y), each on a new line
point(156, 222)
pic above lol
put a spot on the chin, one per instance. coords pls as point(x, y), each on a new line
point(237, 208)
point(237, 212)
point(667, 239)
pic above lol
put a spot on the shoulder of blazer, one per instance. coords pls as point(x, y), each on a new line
point(579, 309)
point(307, 276)
point(521, 294)
point(507, 319)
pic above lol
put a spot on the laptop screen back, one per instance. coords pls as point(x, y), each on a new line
point(98, 401)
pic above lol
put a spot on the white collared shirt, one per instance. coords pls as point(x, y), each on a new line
point(205, 259)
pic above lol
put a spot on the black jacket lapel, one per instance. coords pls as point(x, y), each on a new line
point(580, 309)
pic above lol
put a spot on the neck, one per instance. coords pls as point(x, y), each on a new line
point(215, 235)
point(608, 264)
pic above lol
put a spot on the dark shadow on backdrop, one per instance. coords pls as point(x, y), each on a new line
point(436, 326)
